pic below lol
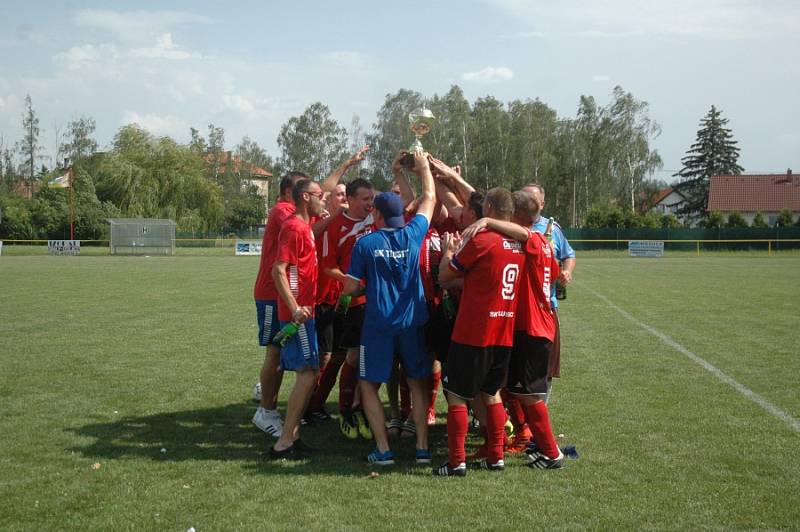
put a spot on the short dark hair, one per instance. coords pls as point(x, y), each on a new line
point(289, 180)
point(299, 187)
point(475, 202)
point(535, 185)
point(352, 187)
point(525, 207)
point(502, 202)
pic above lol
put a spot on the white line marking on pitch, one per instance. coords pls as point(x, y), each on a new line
point(744, 390)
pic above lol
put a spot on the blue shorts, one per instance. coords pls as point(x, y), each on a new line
point(267, 318)
point(378, 349)
point(301, 351)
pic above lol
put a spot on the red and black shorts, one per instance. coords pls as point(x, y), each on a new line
point(329, 327)
point(437, 332)
point(352, 324)
point(528, 367)
point(471, 369)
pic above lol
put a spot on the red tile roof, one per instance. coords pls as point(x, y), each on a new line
point(255, 171)
point(754, 193)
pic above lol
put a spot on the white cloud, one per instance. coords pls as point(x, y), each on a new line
point(136, 25)
point(164, 49)
point(524, 35)
point(87, 55)
point(237, 102)
point(157, 124)
point(718, 19)
point(600, 77)
point(489, 74)
point(343, 59)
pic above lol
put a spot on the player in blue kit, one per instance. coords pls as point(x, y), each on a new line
point(396, 311)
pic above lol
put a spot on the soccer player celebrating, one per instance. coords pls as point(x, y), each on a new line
point(295, 276)
point(396, 311)
point(478, 358)
point(534, 327)
point(267, 417)
point(340, 237)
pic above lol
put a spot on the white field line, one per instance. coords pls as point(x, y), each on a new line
point(744, 390)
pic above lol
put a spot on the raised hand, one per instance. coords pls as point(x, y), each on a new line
point(359, 155)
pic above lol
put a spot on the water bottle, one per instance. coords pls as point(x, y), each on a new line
point(343, 304)
point(286, 334)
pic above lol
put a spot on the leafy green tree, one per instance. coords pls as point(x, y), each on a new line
point(735, 219)
point(605, 215)
point(449, 137)
point(391, 133)
point(245, 212)
point(632, 131)
point(197, 143)
point(17, 218)
point(670, 221)
point(251, 154)
point(713, 153)
point(758, 221)
point(313, 142)
point(30, 148)
point(78, 141)
point(785, 218)
point(490, 143)
point(533, 140)
point(714, 220)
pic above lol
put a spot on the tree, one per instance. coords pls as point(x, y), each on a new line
point(735, 219)
point(490, 143)
point(758, 221)
point(713, 153)
point(714, 220)
point(197, 143)
point(632, 131)
point(785, 218)
point(391, 133)
point(313, 142)
point(251, 154)
point(29, 147)
point(78, 142)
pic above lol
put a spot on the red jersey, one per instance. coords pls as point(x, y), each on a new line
point(297, 249)
point(265, 287)
point(491, 264)
point(429, 258)
point(534, 315)
point(338, 241)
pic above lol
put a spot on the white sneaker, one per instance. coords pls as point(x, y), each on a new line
point(269, 421)
point(257, 391)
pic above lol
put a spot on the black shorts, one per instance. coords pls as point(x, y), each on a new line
point(329, 327)
point(527, 369)
point(554, 369)
point(471, 369)
point(352, 323)
point(437, 332)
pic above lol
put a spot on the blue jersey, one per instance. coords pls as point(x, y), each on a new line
point(562, 247)
point(389, 262)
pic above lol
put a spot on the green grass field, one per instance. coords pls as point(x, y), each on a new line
point(107, 360)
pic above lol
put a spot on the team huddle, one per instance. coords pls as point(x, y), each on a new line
point(451, 286)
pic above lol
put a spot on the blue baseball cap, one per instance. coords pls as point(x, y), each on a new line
point(390, 205)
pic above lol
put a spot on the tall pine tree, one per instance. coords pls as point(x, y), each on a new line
point(713, 153)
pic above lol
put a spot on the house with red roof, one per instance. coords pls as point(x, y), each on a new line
point(667, 201)
point(751, 194)
point(253, 175)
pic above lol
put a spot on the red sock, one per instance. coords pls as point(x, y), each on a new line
point(495, 431)
point(538, 418)
point(405, 395)
point(433, 386)
point(348, 381)
point(327, 378)
point(457, 423)
point(515, 411)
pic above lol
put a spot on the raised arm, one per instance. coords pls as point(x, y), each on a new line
point(332, 180)
point(423, 169)
point(510, 229)
point(406, 190)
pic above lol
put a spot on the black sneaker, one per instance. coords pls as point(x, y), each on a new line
point(293, 452)
point(319, 415)
point(302, 447)
point(445, 470)
point(542, 461)
point(485, 465)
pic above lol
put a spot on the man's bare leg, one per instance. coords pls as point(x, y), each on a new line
point(373, 408)
point(271, 378)
point(298, 399)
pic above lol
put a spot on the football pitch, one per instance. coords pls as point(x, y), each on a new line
point(125, 404)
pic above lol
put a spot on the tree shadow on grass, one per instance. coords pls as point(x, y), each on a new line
point(225, 433)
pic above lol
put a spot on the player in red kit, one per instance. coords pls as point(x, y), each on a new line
point(534, 327)
point(477, 361)
point(339, 238)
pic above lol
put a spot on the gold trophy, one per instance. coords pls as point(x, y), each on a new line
point(420, 121)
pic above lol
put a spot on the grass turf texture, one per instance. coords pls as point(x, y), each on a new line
point(109, 359)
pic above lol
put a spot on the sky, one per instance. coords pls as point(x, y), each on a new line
point(250, 66)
